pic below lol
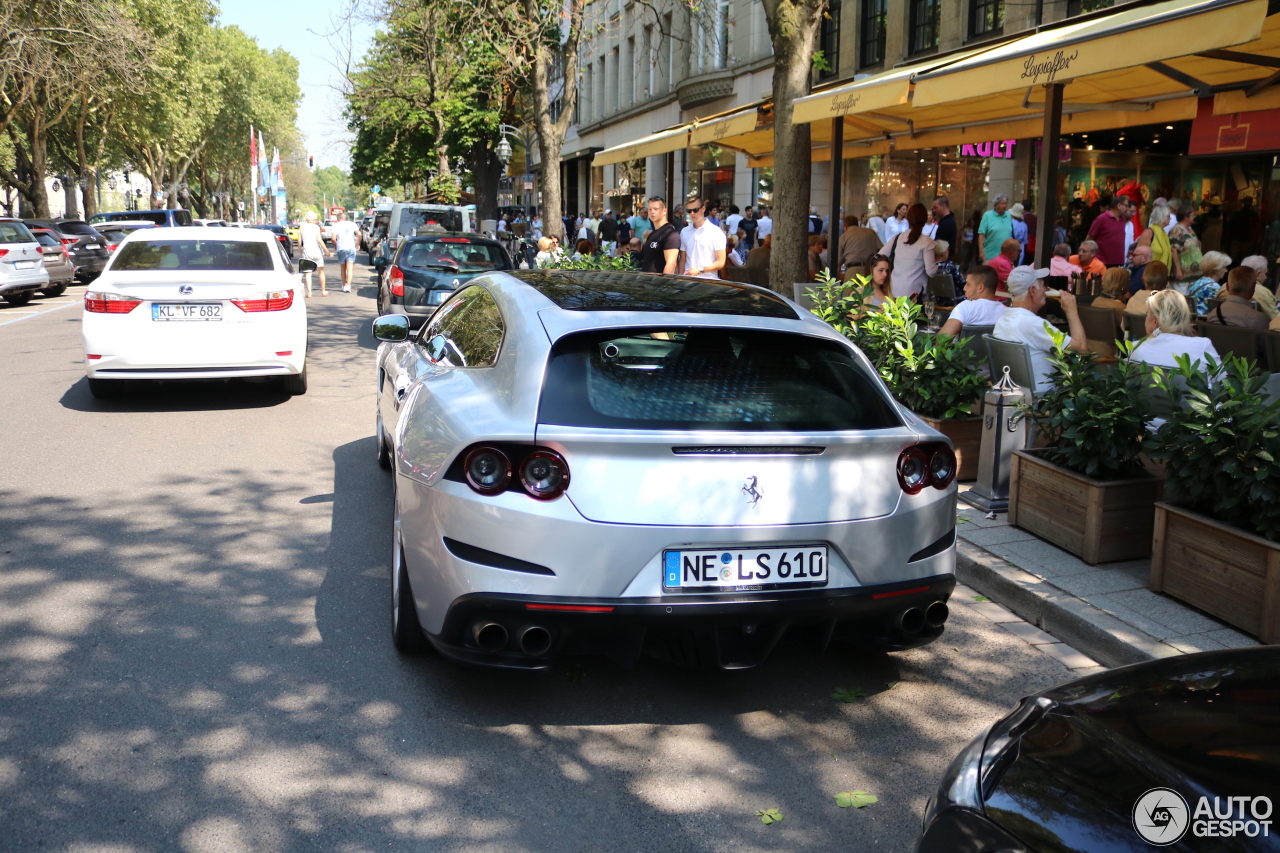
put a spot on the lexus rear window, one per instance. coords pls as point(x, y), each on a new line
point(709, 379)
point(193, 256)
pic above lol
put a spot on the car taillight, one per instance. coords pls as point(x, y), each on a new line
point(3, 252)
point(68, 241)
point(397, 281)
point(111, 247)
point(109, 303)
point(544, 474)
point(487, 469)
point(275, 300)
point(932, 464)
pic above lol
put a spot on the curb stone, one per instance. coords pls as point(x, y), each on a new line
point(1082, 626)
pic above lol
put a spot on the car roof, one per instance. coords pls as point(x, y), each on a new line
point(436, 235)
point(183, 232)
point(598, 290)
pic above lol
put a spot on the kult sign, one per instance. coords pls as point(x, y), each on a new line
point(1003, 149)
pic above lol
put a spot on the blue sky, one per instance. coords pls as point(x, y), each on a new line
point(316, 32)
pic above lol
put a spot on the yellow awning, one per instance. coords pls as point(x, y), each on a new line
point(891, 89)
point(1128, 39)
point(724, 127)
point(662, 142)
point(1226, 103)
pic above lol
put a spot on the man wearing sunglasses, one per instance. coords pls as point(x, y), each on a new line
point(703, 245)
point(661, 248)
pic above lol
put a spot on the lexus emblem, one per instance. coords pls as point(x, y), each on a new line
point(751, 490)
point(186, 290)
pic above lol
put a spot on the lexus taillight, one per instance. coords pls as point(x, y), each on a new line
point(3, 252)
point(109, 303)
point(932, 464)
point(111, 247)
point(275, 300)
point(397, 281)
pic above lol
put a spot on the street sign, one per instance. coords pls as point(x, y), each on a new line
point(241, 206)
point(528, 185)
point(377, 188)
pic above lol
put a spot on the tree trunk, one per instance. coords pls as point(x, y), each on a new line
point(71, 205)
point(486, 172)
point(793, 27)
point(550, 133)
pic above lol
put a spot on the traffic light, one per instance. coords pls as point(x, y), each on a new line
point(311, 162)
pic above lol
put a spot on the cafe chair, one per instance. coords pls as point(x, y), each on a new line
point(803, 291)
point(1230, 340)
point(1101, 328)
point(1271, 390)
point(1135, 325)
point(943, 288)
point(1016, 356)
point(977, 345)
point(1154, 399)
point(1272, 341)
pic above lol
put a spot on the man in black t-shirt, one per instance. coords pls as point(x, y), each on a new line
point(748, 225)
point(608, 228)
point(661, 245)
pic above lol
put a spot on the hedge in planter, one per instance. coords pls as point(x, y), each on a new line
point(1086, 491)
point(1217, 544)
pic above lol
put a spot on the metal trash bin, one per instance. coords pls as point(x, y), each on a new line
point(1004, 430)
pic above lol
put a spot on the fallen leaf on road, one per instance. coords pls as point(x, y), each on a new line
point(857, 799)
point(768, 816)
point(849, 695)
point(980, 598)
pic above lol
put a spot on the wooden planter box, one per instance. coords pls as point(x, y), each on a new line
point(966, 435)
point(1220, 569)
point(1095, 520)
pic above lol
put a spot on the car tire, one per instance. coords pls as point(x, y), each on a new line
point(20, 298)
point(384, 452)
point(406, 631)
point(56, 290)
point(106, 389)
point(295, 385)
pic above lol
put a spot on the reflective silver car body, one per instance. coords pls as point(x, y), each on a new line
point(630, 498)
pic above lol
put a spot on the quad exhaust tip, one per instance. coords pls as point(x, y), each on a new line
point(535, 641)
point(489, 636)
point(935, 615)
point(911, 621)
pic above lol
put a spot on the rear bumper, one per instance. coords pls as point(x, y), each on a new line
point(18, 282)
point(724, 631)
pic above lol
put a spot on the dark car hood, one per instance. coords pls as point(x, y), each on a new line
point(1204, 725)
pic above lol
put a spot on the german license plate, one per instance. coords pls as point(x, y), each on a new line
point(93, 246)
point(196, 311)
point(735, 569)
point(24, 265)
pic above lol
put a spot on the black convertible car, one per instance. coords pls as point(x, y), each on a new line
point(1181, 754)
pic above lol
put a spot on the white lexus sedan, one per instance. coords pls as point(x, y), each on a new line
point(186, 303)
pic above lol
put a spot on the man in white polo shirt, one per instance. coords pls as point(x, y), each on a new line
point(1020, 322)
point(702, 245)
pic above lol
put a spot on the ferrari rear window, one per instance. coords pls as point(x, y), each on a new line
point(710, 379)
point(193, 256)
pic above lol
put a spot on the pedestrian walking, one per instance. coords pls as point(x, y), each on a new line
point(731, 221)
point(996, 227)
point(608, 232)
point(314, 249)
point(345, 237)
point(946, 220)
point(1108, 231)
point(764, 226)
point(702, 243)
point(748, 225)
point(661, 250)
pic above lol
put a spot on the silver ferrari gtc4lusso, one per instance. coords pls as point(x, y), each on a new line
point(615, 463)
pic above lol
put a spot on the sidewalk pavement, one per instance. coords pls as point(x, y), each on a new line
point(1105, 611)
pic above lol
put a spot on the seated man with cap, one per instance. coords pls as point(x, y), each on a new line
point(1020, 323)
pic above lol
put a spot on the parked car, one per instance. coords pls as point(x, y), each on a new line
point(210, 223)
point(85, 246)
point(281, 235)
point(1123, 761)
point(177, 303)
point(115, 232)
point(613, 463)
point(166, 216)
point(62, 272)
point(22, 270)
point(425, 270)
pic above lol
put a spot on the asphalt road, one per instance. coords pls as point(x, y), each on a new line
point(195, 656)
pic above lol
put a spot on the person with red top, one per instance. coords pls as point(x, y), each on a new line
point(1003, 263)
point(1108, 231)
point(1087, 259)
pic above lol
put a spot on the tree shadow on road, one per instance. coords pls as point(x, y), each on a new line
point(206, 665)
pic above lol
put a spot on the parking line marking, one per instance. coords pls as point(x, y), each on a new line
point(38, 313)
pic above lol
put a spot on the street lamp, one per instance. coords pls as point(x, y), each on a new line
point(503, 150)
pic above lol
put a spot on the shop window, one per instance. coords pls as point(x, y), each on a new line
point(924, 25)
point(829, 41)
point(986, 18)
point(874, 17)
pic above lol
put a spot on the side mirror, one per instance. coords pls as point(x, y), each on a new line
point(391, 327)
point(379, 261)
point(307, 265)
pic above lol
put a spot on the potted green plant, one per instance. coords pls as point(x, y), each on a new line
point(931, 375)
point(1216, 543)
point(1086, 490)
